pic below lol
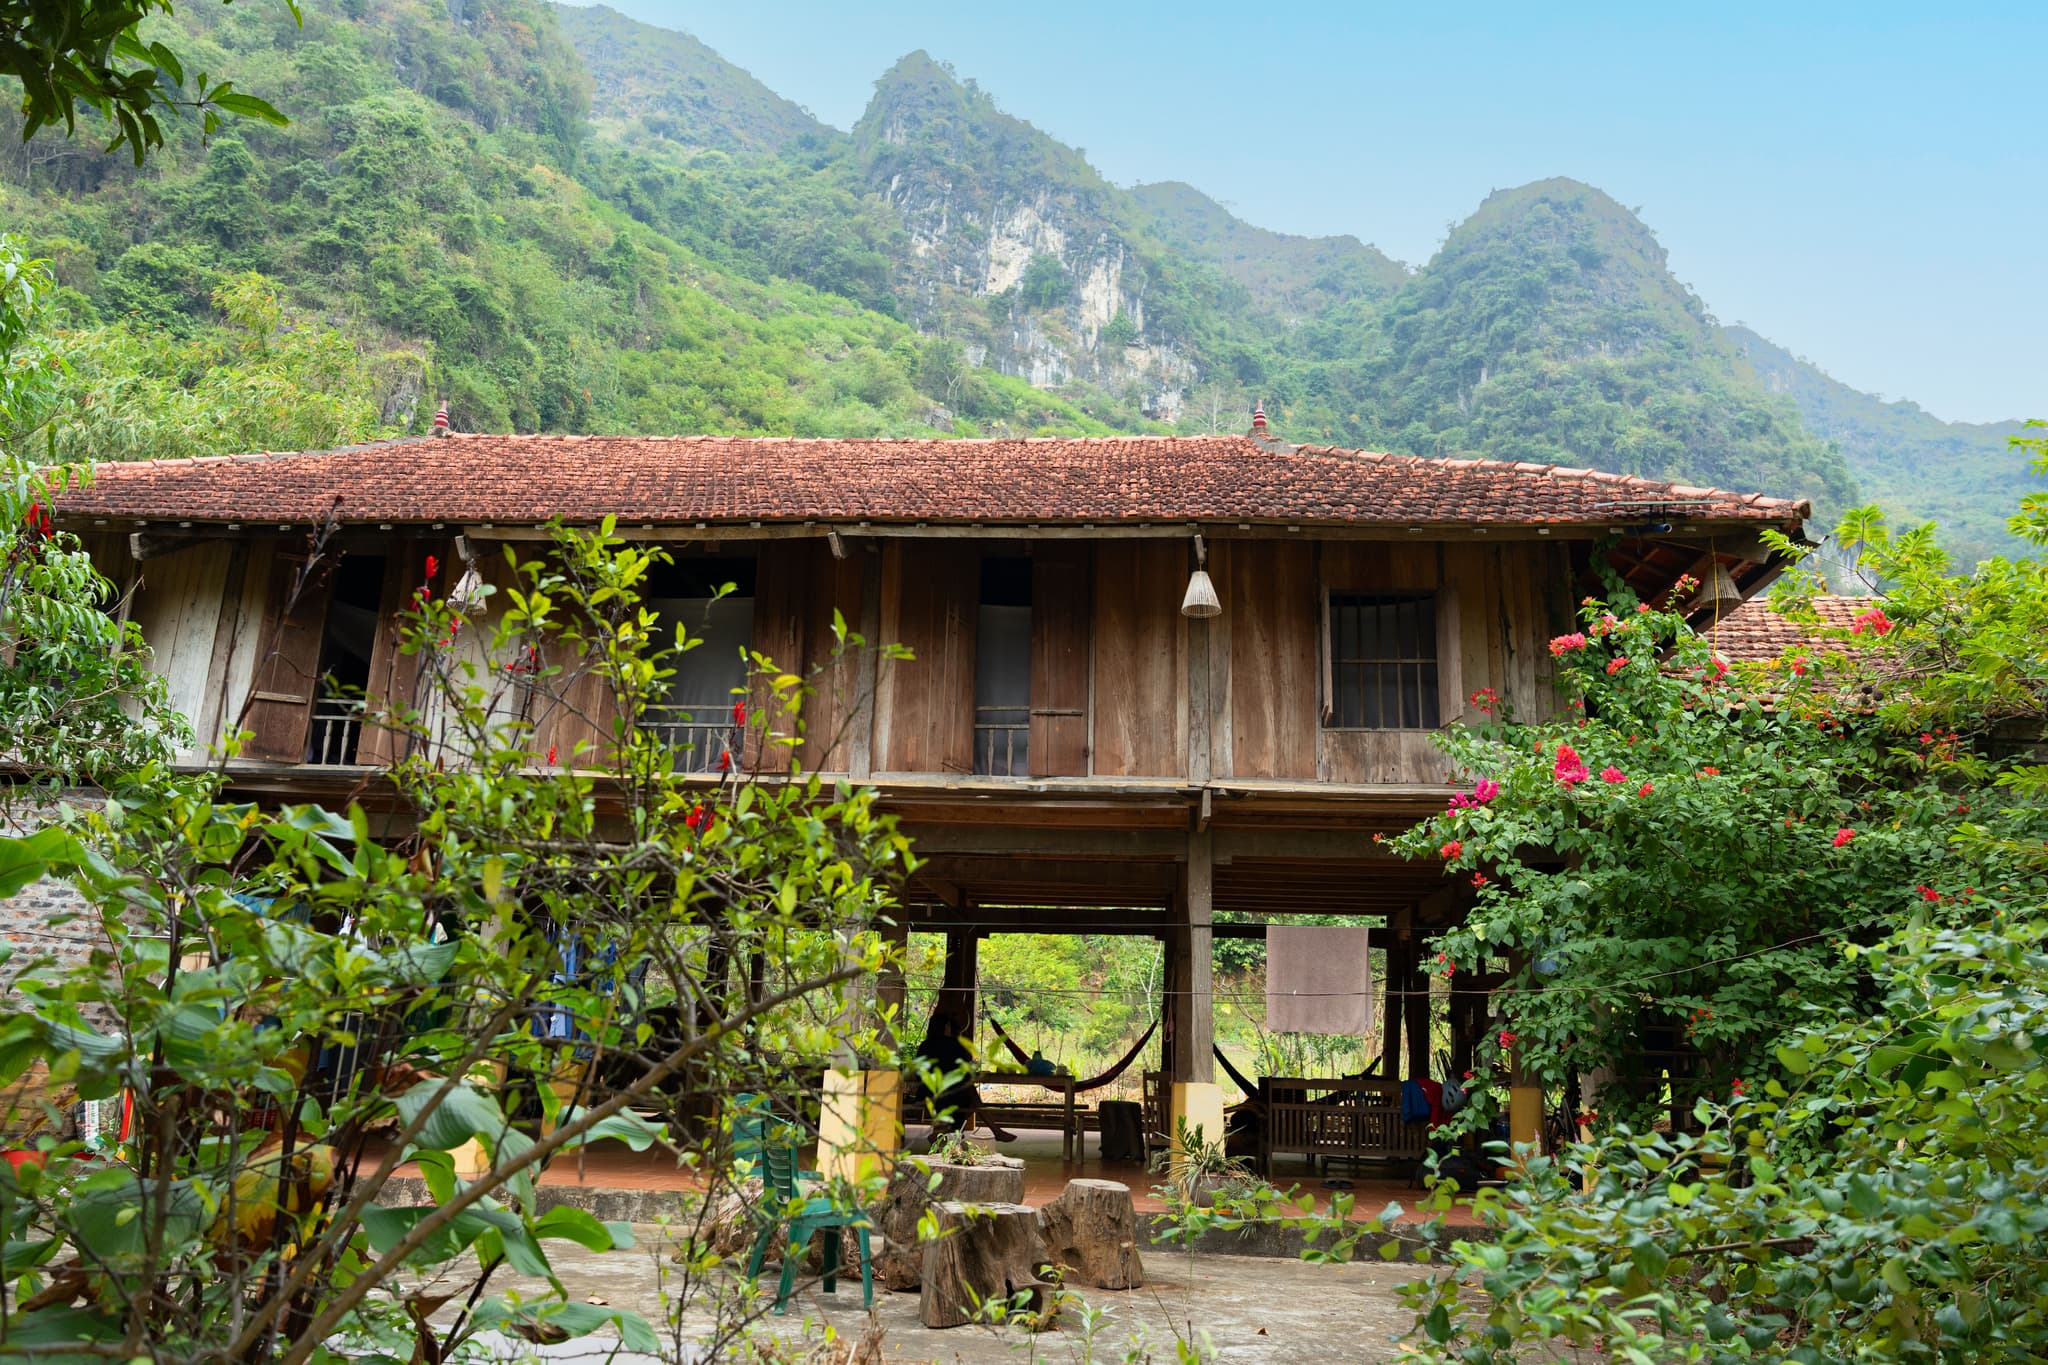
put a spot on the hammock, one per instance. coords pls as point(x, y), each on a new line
point(1093, 1082)
point(1250, 1091)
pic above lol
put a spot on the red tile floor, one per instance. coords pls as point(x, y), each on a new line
point(607, 1165)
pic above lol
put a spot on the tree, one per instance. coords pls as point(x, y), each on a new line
point(91, 53)
point(1046, 282)
point(563, 936)
point(77, 699)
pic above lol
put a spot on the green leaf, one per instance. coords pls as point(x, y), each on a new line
point(466, 1113)
point(578, 1226)
point(627, 1127)
point(248, 106)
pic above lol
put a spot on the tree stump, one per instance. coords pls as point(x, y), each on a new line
point(1091, 1231)
point(985, 1253)
point(899, 1259)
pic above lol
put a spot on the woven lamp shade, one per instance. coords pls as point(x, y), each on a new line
point(1200, 600)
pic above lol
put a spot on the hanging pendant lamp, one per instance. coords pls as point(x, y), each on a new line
point(1200, 600)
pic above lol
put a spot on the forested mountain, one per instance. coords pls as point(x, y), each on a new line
point(562, 219)
point(1964, 474)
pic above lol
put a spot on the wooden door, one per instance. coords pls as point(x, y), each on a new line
point(926, 704)
point(1059, 659)
point(288, 660)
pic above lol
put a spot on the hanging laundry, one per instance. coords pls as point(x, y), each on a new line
point(1318, 980)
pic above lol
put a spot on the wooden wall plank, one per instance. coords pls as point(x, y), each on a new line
point(925, 720)
point(1059, 659)
point(835, 585)
point(1141, 688)
point(1222, 687)
point(394, 675)
point(1275, 666)
point(245, 644)
point(179, 612)
point(782, 583)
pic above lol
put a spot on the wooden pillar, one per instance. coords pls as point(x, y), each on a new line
point(891, 991)
point(1525, 1092)
point(960, 977)
point(860, 742)
point(1393, 971)
point(1415, 1010)
point(1196, 1098)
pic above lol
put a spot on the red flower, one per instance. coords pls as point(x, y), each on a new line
point(1569, 769)
point(695, 819)
point(725, 760)
point(1844, 835)
point(1565, 644)
point(1452, 850)
point(1645, 789)
point(1928, 893)
point(1615, 665)
point(1740, 1088)
point(1799, 668)
point(551, 755)
point(1506, 1039)
point(1610, 773)
point(1478, 879)
point(433, 566)
point(1710, 771)
point(1873, 621)
point(739, 713)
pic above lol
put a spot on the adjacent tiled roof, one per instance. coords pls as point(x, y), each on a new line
point(1754, 632)
point(516, 479)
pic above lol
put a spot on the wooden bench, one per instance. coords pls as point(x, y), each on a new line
point(1336, 1120)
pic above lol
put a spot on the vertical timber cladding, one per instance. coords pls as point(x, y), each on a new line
point(178, 610)
point(781, 583)
point(924, 710)
point(1059, 658)
point(1141, 658)
point(1273, 607)
point(834, 585)
point(286, 678)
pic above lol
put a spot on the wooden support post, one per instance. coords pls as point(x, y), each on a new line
point(1525, 1092)
point(1415, 1011)
point(891, 991)
point(1196, 1097)
point(1198, 702)
point(1393, 972)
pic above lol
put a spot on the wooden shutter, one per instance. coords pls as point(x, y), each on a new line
point(288, 659)
point(781, 584)
point(1059, 659)
point(394, 676)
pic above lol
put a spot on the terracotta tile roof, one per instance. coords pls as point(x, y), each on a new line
point(528, 479)
point(1755, 633)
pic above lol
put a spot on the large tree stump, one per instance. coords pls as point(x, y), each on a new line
point(985, 1253)
point(899, 1259)
point(1091, 1231)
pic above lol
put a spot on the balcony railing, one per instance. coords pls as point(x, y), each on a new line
point(700, 745)
point(1002, 740)
point(336, 730)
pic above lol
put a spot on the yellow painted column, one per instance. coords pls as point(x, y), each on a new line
point(1200, 1105)
point(860, 1124)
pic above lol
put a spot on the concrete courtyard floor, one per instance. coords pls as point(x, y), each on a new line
point(1253, 1309)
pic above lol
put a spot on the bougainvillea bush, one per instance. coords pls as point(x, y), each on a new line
point(1683, 859)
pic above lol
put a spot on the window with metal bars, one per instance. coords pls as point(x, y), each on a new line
point(1383, 664)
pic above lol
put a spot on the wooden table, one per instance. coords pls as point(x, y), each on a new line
point(1070, 1127)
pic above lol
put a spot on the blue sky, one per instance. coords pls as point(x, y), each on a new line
point(1867, 184)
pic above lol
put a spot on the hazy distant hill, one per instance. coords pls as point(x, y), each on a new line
point(1963, 474)
point(678, 87)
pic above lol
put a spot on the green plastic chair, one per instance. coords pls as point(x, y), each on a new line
point(772, 1149)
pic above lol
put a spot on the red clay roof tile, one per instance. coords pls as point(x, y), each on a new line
point(640, 479)
point(1754, 632)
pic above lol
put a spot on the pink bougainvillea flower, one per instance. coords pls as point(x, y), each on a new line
point(1616, 664)
point(1565, 644)
point(1486, 790)
point(1569, 769)
point(1873, 621)
point(1645, 789)
point(1452, 850)
point(1844, 835)
point(1610, 773)
point(1506, 1039)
